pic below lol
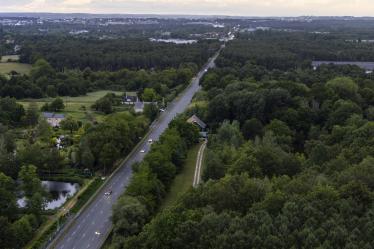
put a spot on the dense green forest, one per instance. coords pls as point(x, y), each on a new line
point(290, 50)
point(116, 54)
point(289, 161)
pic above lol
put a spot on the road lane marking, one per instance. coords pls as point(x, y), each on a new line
point(84, 235)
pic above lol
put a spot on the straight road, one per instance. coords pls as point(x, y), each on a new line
point(90, 228)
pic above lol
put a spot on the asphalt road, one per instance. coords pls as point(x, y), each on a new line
point(90, 228)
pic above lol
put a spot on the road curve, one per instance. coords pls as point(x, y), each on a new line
point(91, 226)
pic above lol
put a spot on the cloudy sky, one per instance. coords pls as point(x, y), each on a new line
point(209, 7)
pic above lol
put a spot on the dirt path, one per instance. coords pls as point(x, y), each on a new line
point(199, 162)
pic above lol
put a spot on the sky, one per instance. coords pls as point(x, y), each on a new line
point(196, 7)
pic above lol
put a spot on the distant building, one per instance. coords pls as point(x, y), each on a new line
point(197, 121)
point(53, 119)
point(130, 98)
point(17, 48)
point(200, 124)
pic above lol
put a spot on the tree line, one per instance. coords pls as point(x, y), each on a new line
point(152, 179)
point(45, 81)
point(114, 54)
point(291, 50)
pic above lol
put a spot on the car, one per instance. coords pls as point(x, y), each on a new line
point(108, 193)
point(150, 140)
point(97, 233)
point(206, 70)
point(162, 110)
point(142, 151)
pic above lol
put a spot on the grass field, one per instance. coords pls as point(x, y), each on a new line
point(183, 181)
point(6, 58)
point(20, 68)
point(77, 107)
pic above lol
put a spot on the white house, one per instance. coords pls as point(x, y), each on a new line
point(53, 119)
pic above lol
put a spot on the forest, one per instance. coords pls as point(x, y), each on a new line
point(291, 50)
point(45, 81)
point(114, 54)
point(290, 156)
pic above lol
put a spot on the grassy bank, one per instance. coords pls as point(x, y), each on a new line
point(183, 181)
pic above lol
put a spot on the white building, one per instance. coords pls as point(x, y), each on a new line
point(53, 119)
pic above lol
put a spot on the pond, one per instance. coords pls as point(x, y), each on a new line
point(176, 41)
point(59, 192)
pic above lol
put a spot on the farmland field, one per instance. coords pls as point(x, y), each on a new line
point(6, 58)
point(20, 68)
point(77, 107)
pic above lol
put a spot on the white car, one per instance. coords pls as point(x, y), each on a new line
point(108, 193)
point(97, 233)
point(150, 140)
point(142, 151)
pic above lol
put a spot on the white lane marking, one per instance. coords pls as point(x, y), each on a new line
point(93, 223)
point(101, 212)
point(88, 246)
point(84, 235)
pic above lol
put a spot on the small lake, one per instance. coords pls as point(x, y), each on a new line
point(58, 191)
point(176, 41)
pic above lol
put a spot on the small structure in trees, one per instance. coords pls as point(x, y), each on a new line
point(195, 120)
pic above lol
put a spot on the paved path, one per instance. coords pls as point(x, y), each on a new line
point(92, 225)
point(199, 162)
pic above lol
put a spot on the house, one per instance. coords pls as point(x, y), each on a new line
point(196, 121)
point(130, 98)
point(53, 119)
point(139, 107)
point(199, 123)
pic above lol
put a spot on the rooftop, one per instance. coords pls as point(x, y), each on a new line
point(195, 120)
point(53, 115)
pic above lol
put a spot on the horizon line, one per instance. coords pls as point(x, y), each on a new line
point(182, 14)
